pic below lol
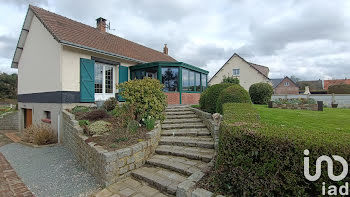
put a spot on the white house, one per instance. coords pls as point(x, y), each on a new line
point(62, 62)
point(248, 73)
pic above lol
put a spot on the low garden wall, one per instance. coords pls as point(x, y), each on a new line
point(9, 121)
point(343, 100)
point(106, 167)
point(313, 107)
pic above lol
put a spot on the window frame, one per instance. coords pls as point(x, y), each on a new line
point(178, 78)
point(104, 96)
point(286, 83)
point(235, 73)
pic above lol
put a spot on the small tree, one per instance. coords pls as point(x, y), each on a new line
point(146, 95)
point(260, 93)
point(233, 80)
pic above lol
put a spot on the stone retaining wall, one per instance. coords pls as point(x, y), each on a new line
point(106, 167)
point(313, 107)
point(9, 121)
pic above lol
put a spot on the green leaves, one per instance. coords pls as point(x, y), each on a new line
point(260, 93)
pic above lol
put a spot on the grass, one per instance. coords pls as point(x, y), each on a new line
point(328, 120)
point(4, 110)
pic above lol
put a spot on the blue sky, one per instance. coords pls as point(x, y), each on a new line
point(308, 39)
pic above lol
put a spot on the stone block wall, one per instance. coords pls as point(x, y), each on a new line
point(106, 166)
point(9, 121)
point(313, 107)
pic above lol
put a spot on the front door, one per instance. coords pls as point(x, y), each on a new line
point(123, 77)
point(28, 118)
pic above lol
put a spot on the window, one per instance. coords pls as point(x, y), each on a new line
point(170, 79)
point(286, 83)
point(47, 115)
point(191, 81)
point(149, 72)
point(104, 78)
point(204, 82)
point(185, 80)
point(235, 72)
point(198, 82)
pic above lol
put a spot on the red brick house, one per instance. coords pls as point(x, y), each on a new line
point(284, 86)
point(328, 83)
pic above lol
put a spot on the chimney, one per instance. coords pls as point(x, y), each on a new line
point(101, 24)
point(165, 49)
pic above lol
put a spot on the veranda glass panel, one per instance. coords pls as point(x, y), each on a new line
point(191, 79)
point(185, 80)
point(204, 82)
point(98, 78)
point(198, 82)
point(170, 77)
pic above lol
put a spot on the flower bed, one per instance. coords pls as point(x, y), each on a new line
point(107, 166)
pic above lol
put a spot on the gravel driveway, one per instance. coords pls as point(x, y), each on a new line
point(49, 171)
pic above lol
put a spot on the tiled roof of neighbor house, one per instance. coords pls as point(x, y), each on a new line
point(67, 30)
point(328, 83)
point(263, 69)
point(313, 85)
point(275, 82)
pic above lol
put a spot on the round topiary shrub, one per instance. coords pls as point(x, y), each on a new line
point(232, 94)
point(210, 95)
point(260, 93)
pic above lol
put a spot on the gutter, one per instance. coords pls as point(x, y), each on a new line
point(66, 43)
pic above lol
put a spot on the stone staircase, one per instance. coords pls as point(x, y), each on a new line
point(185, 147)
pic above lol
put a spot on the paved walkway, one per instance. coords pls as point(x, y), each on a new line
point(185, 147)
point(10, 183)
point(49, 171)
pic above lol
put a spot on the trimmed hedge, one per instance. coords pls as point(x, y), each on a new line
point(232, 94)
point(260, 93)
point(210, 95)
point(255, 159)
point(339, 89)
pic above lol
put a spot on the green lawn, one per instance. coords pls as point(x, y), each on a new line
point(328, 120)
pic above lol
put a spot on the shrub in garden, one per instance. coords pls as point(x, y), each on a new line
point(255, 159)
point(39, 134)
point(260, 93)
point(110, 104)
point(210, 95)
point(99, 127)
point(125, 113)
point(233, 94)
point(77, 109)
point(96, 114)
point(146, 95)
point(339, 89)
point(132, 127)
point(233, 80)
point(149, 122)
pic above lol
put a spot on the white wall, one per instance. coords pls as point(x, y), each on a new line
point(248, 75)
point(343, 100)
point(71, 66)
point(39, 65)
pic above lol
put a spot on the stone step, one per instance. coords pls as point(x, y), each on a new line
point(183, 125)
point(178, 164)
point(203, 142)
point(177, 109)
point(179, 112)
point(186, 116)
point(177, 121)
point(197, 153)
point(163, 179)
point(186, 132)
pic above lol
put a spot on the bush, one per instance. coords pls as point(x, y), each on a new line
point(39, 134)
point(83, 122)
point(149, 122)
point(232, 94)
point(233, 80)
point(339, 89)
point(146, 95)
point(96, 114)
point(99, 127)
point(260, 93)
point(77, 109)
point(210, 95)
point(110, 104)
point(125, 113)
point(132, 127)
point(255, 159)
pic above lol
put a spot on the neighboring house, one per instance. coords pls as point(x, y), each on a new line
point(315, 87)
point(248, 73)
point(62, 63)
point(284, 86)
point(328, 83)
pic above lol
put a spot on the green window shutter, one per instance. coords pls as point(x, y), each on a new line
point(123, 76)
point(87, 80)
